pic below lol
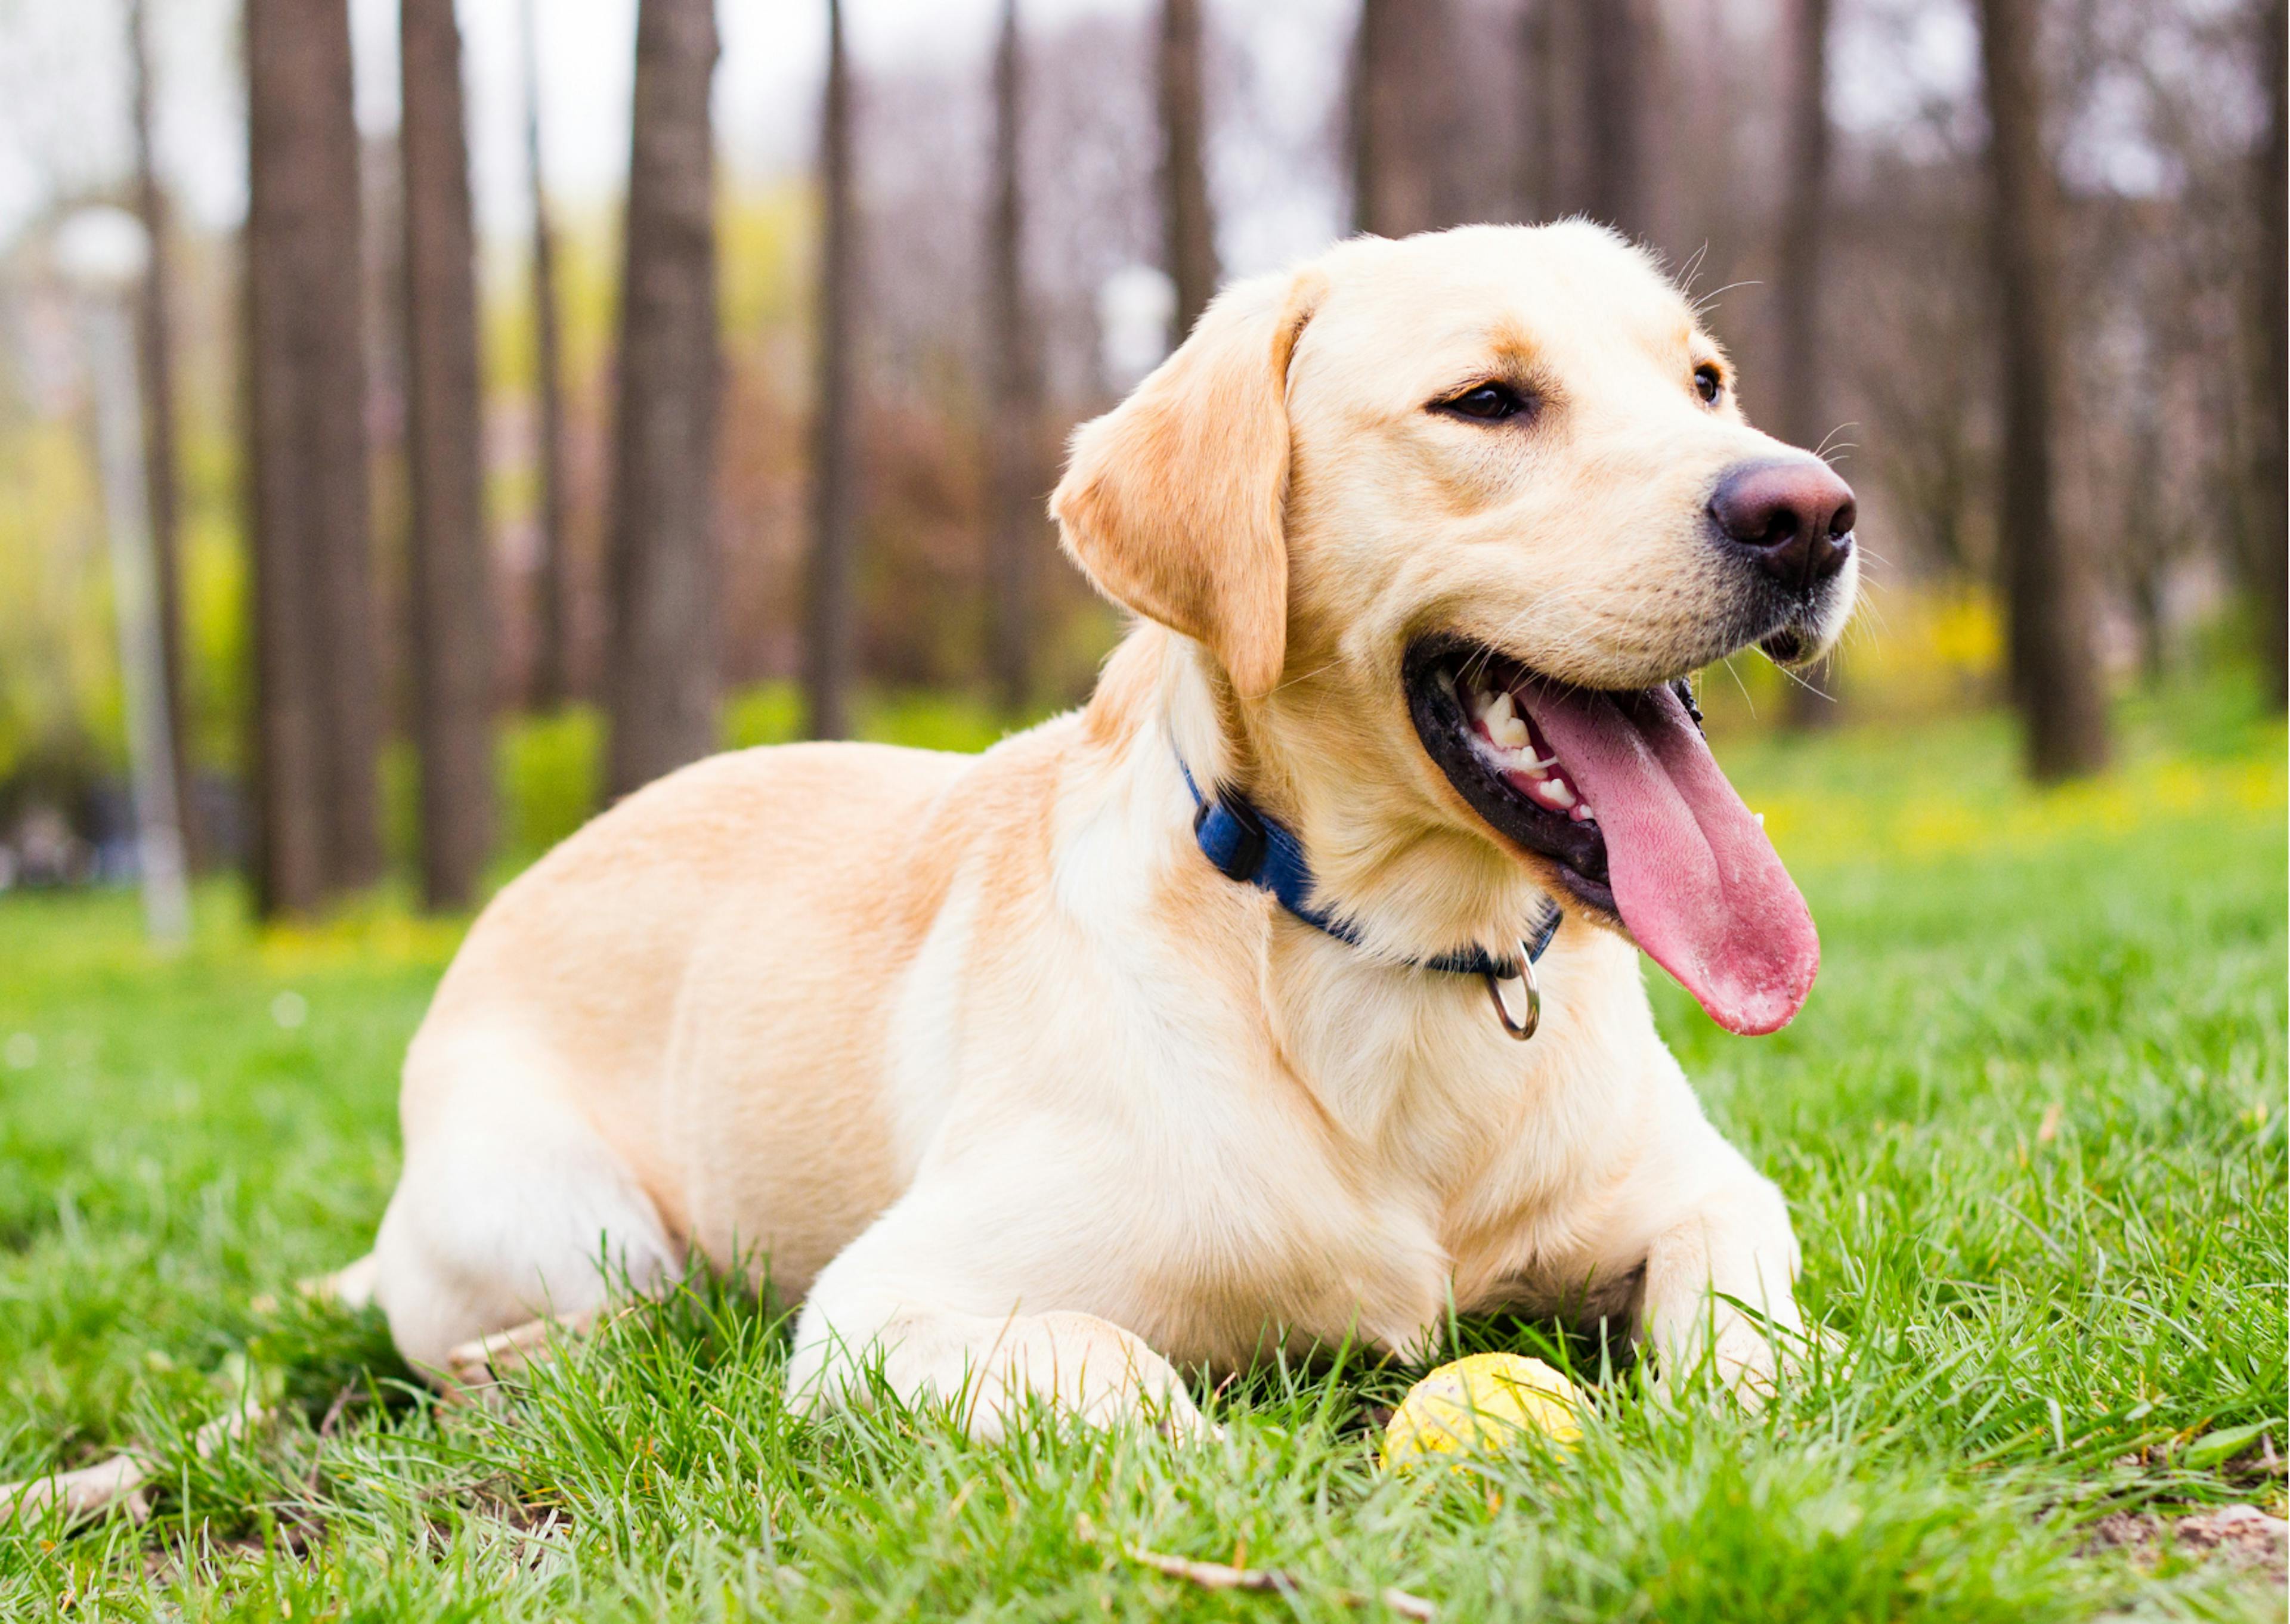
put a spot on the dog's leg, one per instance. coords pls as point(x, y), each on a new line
point(990, 1369)
point(1706, 1232)
point(904, 1307)
point(1734, 1244)
point(509, 1213)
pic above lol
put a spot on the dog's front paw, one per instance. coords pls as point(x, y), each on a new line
point(1080, 1365)
point(1748, 1353)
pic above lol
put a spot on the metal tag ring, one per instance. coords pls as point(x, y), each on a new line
point(1520, 1028)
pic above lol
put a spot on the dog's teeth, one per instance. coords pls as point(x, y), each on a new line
point(1504, 724)
point(1557, 789)
point(1760, 817)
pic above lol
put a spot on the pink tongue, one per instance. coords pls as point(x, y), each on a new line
point(1694, 877)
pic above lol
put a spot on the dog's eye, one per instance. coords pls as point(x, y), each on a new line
point(1708, 382)
point(1489, 402)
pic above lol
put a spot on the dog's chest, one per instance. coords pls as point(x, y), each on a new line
point(1222, 1154)
point(1382, 1170)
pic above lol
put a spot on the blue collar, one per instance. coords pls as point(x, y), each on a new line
point(1242, 844)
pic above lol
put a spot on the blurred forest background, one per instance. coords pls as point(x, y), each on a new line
point(535, 397)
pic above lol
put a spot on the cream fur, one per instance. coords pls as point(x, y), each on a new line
point(1002, 1079)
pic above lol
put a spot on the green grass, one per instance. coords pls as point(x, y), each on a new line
point(2032, 1126)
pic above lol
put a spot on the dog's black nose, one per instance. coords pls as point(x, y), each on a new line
point(1792, 516)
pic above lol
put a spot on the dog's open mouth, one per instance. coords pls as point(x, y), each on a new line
point(1619, 794)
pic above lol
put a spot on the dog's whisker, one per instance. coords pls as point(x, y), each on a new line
point(1302, 678)
point(1829, 442)
point(1793, 676)
point(1707, 301)
point(1692, 266)
point(1747, 698)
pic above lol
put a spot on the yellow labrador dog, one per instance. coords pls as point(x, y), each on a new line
point(1287, 993)
point(1189, 1025)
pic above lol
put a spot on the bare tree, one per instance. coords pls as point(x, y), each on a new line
point(448, 589)
point(155, 351)
point(1189, 224)
point(828, 628)
point(551, 675)
point(1619, 42)
point(1801, 365)
point(1013, 426)
point(316, 711)
point(2270, 539)
point(663, 653)
point(2056, 678)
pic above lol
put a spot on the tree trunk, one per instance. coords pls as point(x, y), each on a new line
point(1188, 222)
point(2147, 550)
point(2270, 331)
point(1016, 411)
point(1365, 113)
point(1618, 42)
point(317, 710)
point(551, 675)
point(2054, 671)
point(829, 632)
point(663, 655)
point(1801, 367)
point(1535, 181)
point(1409, 130)
point(154, 350)
point(448, 589)
point(2146, 542)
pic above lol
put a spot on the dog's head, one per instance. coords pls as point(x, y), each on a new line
point(1449, 519)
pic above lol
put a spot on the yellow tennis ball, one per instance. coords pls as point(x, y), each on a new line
point(1479, 1406)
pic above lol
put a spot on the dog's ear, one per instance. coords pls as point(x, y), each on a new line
point(1172, 502)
